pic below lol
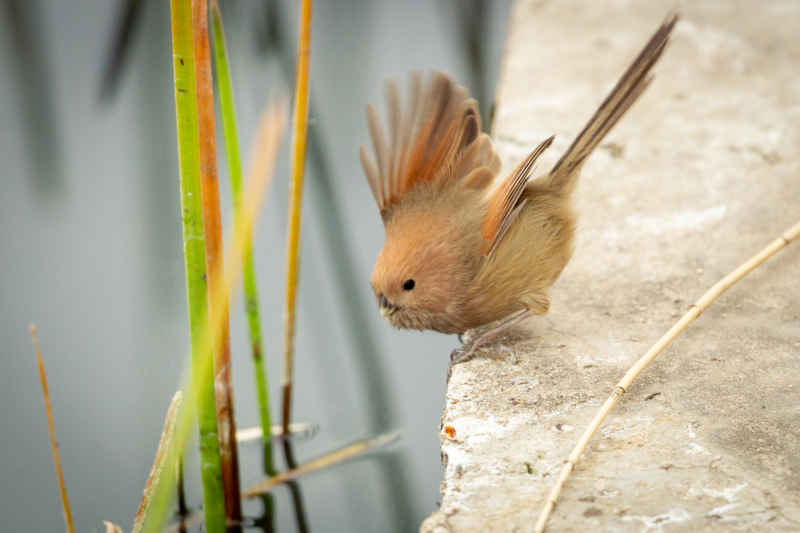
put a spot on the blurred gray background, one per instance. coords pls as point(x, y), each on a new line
point(90, 250)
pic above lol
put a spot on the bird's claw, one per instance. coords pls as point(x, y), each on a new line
point(512, 355)
point(467, 352)
point(460, 355)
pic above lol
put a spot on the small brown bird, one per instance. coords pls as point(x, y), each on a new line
point(463, 250)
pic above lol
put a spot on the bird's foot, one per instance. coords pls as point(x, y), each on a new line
point(512, 355)
point(469, 351)
point(460, 355)
point(463, 354)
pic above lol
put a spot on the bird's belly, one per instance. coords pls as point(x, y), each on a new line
point(525, 264)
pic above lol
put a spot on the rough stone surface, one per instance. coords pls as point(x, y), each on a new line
point(701, 173)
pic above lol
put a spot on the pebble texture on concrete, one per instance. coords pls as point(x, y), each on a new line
point(702, 172)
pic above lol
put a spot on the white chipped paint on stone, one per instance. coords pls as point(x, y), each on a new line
point(693, 448)
point(471, 431)
point(714, 44)
point(722, 509)
point(625, 428)
point(657, 225)
point(585, 359)
point(728, 494)
point(696, 449)
point(477, 430)
point(657, 522)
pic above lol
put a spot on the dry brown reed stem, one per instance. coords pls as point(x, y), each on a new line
point(622, 386)
point(342, 454)
point(299, 120)
point(48, 408)
point(159, 462)
point(212, 224)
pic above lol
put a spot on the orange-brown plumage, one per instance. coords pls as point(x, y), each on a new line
point(461, 250)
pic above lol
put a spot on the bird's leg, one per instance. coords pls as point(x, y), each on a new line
point(468, 352)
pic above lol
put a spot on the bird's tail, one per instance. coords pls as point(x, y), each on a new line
point(635, 80)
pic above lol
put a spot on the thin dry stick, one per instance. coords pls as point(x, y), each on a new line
point(159, 463)
point(112, 527)
point(212, 223)
point(342, 454)
point(694, 311)
point(299, 119)
point(302, 430)
point(62, 487)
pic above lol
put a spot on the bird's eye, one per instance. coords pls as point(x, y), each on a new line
point(408, 284)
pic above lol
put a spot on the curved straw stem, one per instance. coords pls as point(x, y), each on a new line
point(622, 386)
point(299, 120)
point(62, 487)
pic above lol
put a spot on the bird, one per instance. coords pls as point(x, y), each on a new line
point(464, 246)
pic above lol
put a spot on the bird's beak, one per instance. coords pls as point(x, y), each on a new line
point(386, 308)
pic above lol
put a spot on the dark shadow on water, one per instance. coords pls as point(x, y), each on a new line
point(294, 488)
point(266, 522)
point(128, 18)
point(183, 509)
point(156, 148)
point(473, 17)
point(35, 89)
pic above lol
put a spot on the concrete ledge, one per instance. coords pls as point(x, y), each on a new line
point(702, 173)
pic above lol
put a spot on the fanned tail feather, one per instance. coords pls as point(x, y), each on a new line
point(627, 90)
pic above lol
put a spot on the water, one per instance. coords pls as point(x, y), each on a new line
point(90, 249)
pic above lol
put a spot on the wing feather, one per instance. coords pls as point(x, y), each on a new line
point(504, 204)
point(380, 149)
point(393, 103)
point(371, 172)
point(436, 139)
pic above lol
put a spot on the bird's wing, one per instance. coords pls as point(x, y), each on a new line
point(504, 202)
point(436, 139)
